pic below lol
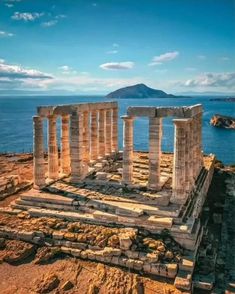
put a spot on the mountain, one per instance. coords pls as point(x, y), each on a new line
point(139, 91)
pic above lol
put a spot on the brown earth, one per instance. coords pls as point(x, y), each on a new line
point(26, 268)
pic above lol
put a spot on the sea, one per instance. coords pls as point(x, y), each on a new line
point(16, 128)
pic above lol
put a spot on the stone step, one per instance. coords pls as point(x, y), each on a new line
point(45, 205)
point(35, 195)
point(103, 218)
point(135, 208)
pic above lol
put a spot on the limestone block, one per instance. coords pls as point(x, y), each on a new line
point(161, 221)
point(183, 281)
point(138, 265)
point(172, 269)
point(65, 249)
point(141, 111)
point(125, 241)
point(57, 235)
point(147, 267)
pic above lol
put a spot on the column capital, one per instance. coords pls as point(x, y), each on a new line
point(182, 121)
point(126, 117)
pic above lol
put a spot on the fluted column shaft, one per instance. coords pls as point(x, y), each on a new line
point(53, 164)
point(76, 146)
point(86, 139)
point(38, 153)
point(101, 133)
point(188, 173)
point(65, 149)
point(191, 154)
point(155, 135)
point(127, 173)
point(108, 133)
point(115, 130)
point(179, 194)
point(94, 135)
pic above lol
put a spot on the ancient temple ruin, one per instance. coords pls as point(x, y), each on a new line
point(84, 177)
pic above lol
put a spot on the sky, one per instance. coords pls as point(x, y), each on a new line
point(94, 47)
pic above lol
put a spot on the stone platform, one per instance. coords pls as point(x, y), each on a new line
point(101, 198)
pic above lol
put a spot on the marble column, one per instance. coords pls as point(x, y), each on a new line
point(200, 152)
point(38, 154)
point(101, 133)
point(76, 146)
point(191, 154)
point(65, 149)
point(188, 172)
point(115, 130)
point(127, 173)
point(53, 163)
point(86, 139)
point(94, 134)
point(195, 148)
point(108, 133)
point(155, 135)
point(179, 194)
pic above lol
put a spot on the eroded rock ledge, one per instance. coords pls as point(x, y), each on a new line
point(222, 121)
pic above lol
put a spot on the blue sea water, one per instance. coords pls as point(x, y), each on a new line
point(16, 134)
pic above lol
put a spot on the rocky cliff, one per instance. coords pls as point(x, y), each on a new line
point(223, 121)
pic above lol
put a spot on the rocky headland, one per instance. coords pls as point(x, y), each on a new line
point(222, 121)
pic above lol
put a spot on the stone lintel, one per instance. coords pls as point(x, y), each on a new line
point(179, 112)
point(70, 108)
point(148, 111)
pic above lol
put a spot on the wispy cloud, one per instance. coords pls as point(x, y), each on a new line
point(112, 52)
point(5, 34)
point(59, 16)
point(160, 59)
point(67, 70)
point(224, 80)
point(18, 72)
point(117, 65)
point(53, 21)
point(201, 57)
point(50, 23)
point(9, 5)
point(27, 16)
point(115, 45)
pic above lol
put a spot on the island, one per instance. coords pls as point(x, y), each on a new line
point(140, 91)
point(222, 121)
point(226, 99)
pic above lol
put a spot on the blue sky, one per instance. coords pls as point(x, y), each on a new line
point(95, 47)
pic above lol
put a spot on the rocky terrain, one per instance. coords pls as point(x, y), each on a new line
point(222, 121)
point(28, 265)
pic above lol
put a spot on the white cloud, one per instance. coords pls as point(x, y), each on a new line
point(115, 45)
point(112, 52)
point(17, 72)
point(6, 34)
point(168, 56)
point(67, 70)
point(27, 16)
point(60, 16)
point(9, 5)
point(222, 80)
point(117, 65)
point(201, 57)
point(50, 23)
